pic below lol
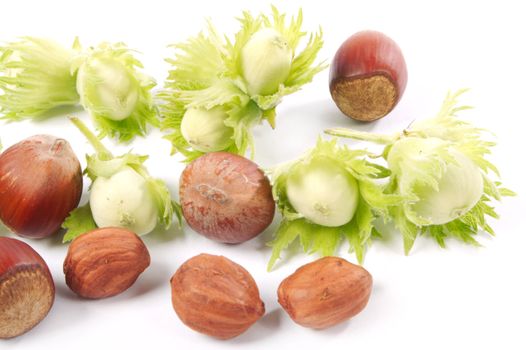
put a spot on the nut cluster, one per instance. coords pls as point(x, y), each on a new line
point(219, 298)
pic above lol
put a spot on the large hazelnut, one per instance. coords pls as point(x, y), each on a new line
point(325, 292)
point(226, 197)
point(215, 296)
point(105, 262)
point(40, 183)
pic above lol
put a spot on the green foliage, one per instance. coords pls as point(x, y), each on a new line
point(119, 88)
point(206, 72)
point(438, 140)
point(359, 231)
point(104, 164)
point(35, 77)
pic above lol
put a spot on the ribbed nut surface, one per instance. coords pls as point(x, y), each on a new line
point(325, 292)
point(105, 262)
point(215, 296)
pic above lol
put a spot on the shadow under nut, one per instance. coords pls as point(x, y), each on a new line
point(226, 197)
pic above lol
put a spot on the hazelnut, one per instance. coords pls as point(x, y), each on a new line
point(368, 76)
point(215, 296)
point(27, 290)
point(226, 197)
point(325, 292)
point(105, 262)
point(40, 184)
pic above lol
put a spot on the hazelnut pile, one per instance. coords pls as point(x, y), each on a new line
point(211, 294)
point(224, 197)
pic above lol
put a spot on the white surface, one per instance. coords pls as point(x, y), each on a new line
point(458, 297)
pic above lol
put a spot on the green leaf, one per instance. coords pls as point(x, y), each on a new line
point(78, 222)
point(437, 232)
point(313, 238)
point(35, 78)
point(359, 231)
point(506, 192)
point(303, 68)
point(287, 232)
point(376, 198)
point(249, 26)
point(97, 166)
point(166, 208)
point(319, 239)
point(242, 119)
point(198, 62)
point(408, 230)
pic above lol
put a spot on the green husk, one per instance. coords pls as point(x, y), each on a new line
point(409, 173)
point(206, 73)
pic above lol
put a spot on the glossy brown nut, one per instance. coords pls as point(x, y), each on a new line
point(368, 76)
point(27, 291)
point(325, 292)
point(40, 183)
point(215, 296)
point(105, 262)
point(226, 197)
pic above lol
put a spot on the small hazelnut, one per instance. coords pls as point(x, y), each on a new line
point(368, 76)
point(105, 262)
point(325, 292)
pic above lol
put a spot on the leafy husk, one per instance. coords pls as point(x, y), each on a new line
point(456, 135)
point(314, 238)
point(206, 73)
point(103, 163)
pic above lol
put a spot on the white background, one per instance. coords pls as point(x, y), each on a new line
point(434, 299)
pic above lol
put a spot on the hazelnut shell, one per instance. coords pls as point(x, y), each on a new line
point(368, 76)
point(325, 292)
point(226, 197)
point(105, 262)
point(27, 291)
point(215, 296)
point(40, 184)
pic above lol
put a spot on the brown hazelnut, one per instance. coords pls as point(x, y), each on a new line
point(27, 290)
point(226, 197)
point(325, 292)
point(368, 76)
point(40, 183)
point(105, 262)
point(215, 296)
